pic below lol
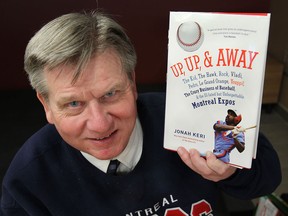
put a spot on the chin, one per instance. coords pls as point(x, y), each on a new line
point(106, 154)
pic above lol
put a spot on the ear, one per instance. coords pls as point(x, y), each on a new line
point(47, 108)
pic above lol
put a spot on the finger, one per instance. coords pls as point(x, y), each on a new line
point(200, 164)
point(184, 155)
point(192, 158)
point(207, 170)
point(214, 163)
point(221, 169)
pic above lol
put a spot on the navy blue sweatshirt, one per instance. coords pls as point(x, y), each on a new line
point(49, 177)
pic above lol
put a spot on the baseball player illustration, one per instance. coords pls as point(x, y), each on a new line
point(228, 136)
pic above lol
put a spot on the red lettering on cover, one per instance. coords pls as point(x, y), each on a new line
point(252, 56)
point(236, 58)
point(177, 69)
point(230, 58)
point(192, 62)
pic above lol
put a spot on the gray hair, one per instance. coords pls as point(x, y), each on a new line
point(74, 39)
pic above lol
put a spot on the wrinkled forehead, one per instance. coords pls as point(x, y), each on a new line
point(102, 70)
point(108, 60)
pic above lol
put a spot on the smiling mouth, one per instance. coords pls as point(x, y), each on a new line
point(106, 137)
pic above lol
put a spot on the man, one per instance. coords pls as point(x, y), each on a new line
point(228, 136)
point(82, 68)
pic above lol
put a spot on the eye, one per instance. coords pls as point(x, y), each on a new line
point(110, 94)
point(74, 104)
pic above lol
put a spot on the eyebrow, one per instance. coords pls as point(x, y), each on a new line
point(65, 99)
point(75, 97)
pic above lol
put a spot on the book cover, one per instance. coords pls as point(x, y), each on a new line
point(215, 74)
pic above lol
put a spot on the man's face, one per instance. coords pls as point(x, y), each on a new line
point(96, 114)
point(229, 119)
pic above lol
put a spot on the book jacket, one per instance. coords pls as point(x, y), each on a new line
point(215, 74)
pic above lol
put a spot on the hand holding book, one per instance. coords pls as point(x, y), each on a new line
point(208, 167)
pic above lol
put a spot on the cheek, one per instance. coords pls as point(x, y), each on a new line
point(69, 129)
point(124, 118)
point(128, 112)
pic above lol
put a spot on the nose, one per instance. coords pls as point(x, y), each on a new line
point(98, 117)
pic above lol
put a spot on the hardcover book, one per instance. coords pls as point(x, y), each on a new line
point(215, 74)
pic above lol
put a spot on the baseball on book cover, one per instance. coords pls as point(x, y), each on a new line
point(215, 74)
